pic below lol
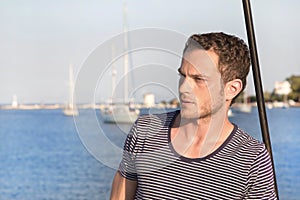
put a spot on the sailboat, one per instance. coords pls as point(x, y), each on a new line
point(245, 107)
point(71, 109)
point(230, 113)
point(15, 103)
point(120, 113)
point(123, 112)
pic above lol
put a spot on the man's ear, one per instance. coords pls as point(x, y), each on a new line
point(233, 88)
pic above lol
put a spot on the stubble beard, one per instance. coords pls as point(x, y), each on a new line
point(206, 110)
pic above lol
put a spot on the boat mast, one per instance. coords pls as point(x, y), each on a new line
point(126, 57)
point(113, 75)
point(71, 86)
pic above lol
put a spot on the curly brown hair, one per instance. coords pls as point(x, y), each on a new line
point(234, 56)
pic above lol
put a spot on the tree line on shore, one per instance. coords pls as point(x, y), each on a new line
point(293, 95)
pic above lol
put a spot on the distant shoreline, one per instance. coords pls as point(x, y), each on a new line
point(102, 105)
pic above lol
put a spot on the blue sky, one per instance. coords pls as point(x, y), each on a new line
point(40, 39)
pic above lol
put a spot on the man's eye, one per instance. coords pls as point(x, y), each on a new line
point(199, 79)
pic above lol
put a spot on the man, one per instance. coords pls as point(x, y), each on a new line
point(197, 153)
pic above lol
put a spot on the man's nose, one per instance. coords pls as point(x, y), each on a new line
point(185, 85)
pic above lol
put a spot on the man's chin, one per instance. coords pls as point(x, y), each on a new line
point(189, 115)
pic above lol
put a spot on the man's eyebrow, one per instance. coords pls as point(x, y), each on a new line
point(193, 75)
point(199, 76)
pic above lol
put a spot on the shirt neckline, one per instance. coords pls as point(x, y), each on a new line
point(187, 159)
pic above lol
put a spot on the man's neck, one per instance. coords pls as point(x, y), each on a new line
point(201, 137)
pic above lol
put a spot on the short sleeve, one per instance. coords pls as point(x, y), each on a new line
point(261, 178)
point(127, 166)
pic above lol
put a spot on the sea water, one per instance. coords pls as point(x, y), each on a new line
point(46, 155)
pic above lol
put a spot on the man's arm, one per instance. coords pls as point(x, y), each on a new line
point(261, 182)
point(122, 188)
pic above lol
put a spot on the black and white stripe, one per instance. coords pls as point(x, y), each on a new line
point(239, 169)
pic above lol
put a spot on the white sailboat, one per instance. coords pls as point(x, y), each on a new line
point(121, 113)
point(230, 113)
point(245, 107)
point(15, 103)
point(71, 109)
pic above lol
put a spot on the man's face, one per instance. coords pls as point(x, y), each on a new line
point(201, 88)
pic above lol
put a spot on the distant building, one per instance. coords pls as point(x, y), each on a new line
point(149, 100)
point(282, 87)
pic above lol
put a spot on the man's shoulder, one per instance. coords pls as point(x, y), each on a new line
point(164, 118)
point(247, 143)
point(153, 124)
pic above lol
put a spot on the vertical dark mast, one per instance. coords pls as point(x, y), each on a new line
point(257, 82)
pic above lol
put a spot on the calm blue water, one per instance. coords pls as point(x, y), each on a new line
point(42, 156)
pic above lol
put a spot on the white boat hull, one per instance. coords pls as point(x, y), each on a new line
point(245, 108)
point(119, 114)
point(70, 112)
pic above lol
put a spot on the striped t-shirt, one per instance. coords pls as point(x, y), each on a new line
point(239, 169)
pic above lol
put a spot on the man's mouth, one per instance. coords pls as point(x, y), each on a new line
point(186, 101)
